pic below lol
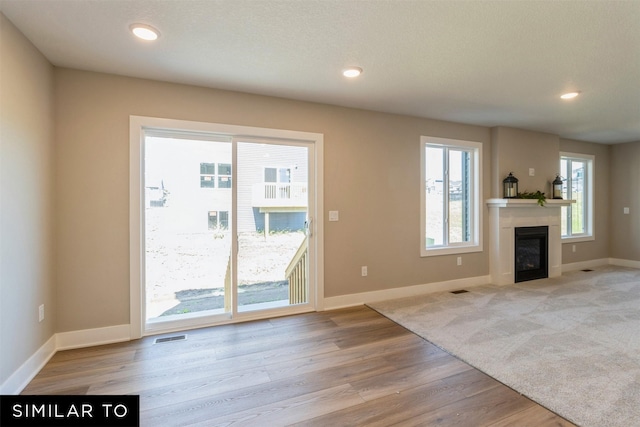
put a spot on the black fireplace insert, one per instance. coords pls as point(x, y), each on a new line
point(531, 253)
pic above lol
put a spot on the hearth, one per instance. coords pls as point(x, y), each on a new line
point(531, 253)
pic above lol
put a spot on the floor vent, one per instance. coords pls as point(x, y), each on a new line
point(170, 339)
point(461, 291)
point(586, 270)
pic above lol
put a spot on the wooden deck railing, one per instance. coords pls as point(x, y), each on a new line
point(297, 275)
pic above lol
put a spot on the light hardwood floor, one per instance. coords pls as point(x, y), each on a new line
point(336, 368)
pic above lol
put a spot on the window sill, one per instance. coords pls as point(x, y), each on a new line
point(450, 250)
point(577, 239)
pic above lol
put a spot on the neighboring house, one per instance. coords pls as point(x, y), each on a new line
point(196, 176)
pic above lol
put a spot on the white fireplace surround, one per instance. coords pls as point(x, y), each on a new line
point(507, 214)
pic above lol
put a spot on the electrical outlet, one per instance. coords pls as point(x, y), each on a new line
point(573, 248)
point(459, 261)
point(41, 313)
point(625, 211)
point(364, 270)
point(532, 172)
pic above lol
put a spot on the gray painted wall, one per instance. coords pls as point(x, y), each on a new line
point(625, 192)
point(27, 198)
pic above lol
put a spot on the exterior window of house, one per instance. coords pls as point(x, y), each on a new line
point(270, 175)
point(277, 182)
point(208, 175)
point(451, 194)
point(277, 175)
point(577, 219)
point(224, 175)
point(218, 219)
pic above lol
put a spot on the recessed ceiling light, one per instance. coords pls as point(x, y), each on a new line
point(352, 72)
point(569, 95)
point(145, 32)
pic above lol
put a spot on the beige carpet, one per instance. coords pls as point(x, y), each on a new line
point(571, 344)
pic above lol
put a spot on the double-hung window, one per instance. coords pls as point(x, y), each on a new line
point(577, 220)
point(450, 196)
point(224, 175)
point(208, 175)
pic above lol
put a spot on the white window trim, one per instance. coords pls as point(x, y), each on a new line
point(590, 234)
point(476, 215)
point(138, 127)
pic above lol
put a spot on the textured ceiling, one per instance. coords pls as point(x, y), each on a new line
point(491, 63)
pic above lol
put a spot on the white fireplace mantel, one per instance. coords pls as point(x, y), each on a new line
point(507, 214)
point(527, 203)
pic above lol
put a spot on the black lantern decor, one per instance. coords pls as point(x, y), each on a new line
point(510, 186)
point(557, 187)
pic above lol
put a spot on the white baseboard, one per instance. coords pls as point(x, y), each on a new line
point(595, 263)
point(61, 341)
point(582, 265)
point(91, 337)
point(30, 368)
point(351, 300)
point(624, 263)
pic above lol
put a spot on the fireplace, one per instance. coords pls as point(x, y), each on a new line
point(531, 253)
point(505, 215)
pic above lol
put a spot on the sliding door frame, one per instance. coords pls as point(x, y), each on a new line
point(137, 127)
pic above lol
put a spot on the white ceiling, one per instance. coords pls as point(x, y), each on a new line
point(491, 63)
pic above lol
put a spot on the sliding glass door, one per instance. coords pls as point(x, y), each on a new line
point(226, 228)
point(272, 214)
point(188, 204)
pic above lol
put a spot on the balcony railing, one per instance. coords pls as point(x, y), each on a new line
point(271, 194)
